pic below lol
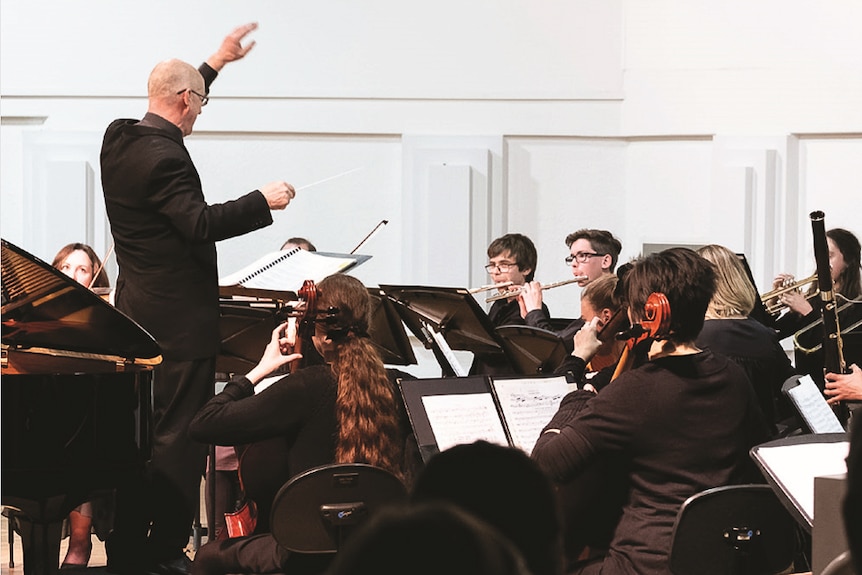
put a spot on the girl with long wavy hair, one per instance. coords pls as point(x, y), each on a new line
point(346, 410)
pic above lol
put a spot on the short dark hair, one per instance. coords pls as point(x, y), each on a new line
point(520, 247)
point(301, 242)
point(686, 278)
point(602, 241)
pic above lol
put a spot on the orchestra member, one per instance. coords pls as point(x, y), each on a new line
point(599, 305)
point(344, 411)
point(428, 539)
point(80, 262)
point(523, 506)
point(683, 422)
point(852, 506)
point(511, 258)
point(592, 254)
point(165, 233)
point(301, 243)
point(844, 386)
point(803, 317)
point(730, 331)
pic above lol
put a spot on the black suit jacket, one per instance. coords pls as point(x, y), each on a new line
point(165, 234)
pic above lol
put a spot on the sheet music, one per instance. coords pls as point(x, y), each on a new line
point(464, 418)
point(287, 270)
point(811, 404)
point(528, 405)
point(794, 467)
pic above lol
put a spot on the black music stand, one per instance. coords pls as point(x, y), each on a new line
point(759, 312)
point(532, 350)
point(247, 318)
point(445, 319)
point(387, 332)
point(791, 474)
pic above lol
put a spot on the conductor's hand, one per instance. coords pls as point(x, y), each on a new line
point(587, 341)
point(530, 298)
point(277, 352)
point(844, 386)
point(231, 47)
point(278, 194)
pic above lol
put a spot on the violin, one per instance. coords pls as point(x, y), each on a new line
point(655, 325)
point(263, 465)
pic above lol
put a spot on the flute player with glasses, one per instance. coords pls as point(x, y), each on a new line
point(511, 264)
point(592, 254)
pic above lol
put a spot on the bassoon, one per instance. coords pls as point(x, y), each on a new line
point(833, 347)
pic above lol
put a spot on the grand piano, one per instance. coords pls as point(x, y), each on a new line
point(76, 400)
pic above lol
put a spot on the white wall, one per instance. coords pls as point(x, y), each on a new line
point(672, 121)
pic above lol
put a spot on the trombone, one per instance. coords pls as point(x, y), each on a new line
point(520, 290)
point(776, 306)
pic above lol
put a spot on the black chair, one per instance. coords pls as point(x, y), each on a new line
point(737, 529)
point(317, 510)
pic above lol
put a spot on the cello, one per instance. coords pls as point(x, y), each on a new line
point(263, 467)
point(655, 324)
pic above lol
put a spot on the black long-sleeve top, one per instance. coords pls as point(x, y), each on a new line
point(682, 424)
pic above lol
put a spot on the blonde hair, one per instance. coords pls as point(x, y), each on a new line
point(366, 409)
point(734, 294)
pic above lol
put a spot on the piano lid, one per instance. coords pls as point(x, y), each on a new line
point(45, 311)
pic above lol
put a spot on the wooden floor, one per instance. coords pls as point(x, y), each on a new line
point(97, 557)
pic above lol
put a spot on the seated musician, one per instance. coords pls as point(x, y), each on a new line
point(80, 262)
point(803, 317)
point(683, 422)
point(346, 410)
point(592, 254)
point(730, 331)
point(599, 306)
point(511, 258)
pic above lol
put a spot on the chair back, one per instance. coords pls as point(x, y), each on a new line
point(316, 510)
point(737, 529)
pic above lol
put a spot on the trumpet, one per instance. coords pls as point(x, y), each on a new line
point(520, 290)
point(776, 306)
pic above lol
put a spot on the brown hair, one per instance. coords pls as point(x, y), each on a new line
point(521, 248)
point(366, 409)
point(102, 277)
point(849, 284)
point(600, 293)
point(688, 281)
point(602, 241)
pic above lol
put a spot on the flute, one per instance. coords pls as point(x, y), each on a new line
point(520, 290)
point(490, 287)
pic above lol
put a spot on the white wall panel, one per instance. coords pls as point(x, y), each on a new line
point(330, 48)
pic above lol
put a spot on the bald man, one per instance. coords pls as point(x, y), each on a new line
point(165, 233)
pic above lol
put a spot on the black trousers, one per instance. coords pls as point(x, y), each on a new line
point(155, 510)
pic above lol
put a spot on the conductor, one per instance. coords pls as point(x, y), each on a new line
point(165, 233)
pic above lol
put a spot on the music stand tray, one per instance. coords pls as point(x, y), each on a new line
point(791, 464)
point(387, 332)
point(532, 350)
point(452, 314)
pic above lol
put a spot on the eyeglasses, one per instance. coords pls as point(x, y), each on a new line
point(204, 99)
point(582, 257)
point(501, 268)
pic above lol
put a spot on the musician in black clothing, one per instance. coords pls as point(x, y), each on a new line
point(730, 331)
point(803, 318)
point(592, 254)
point(681, 423)
point(511, 258)
point(165, 233)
